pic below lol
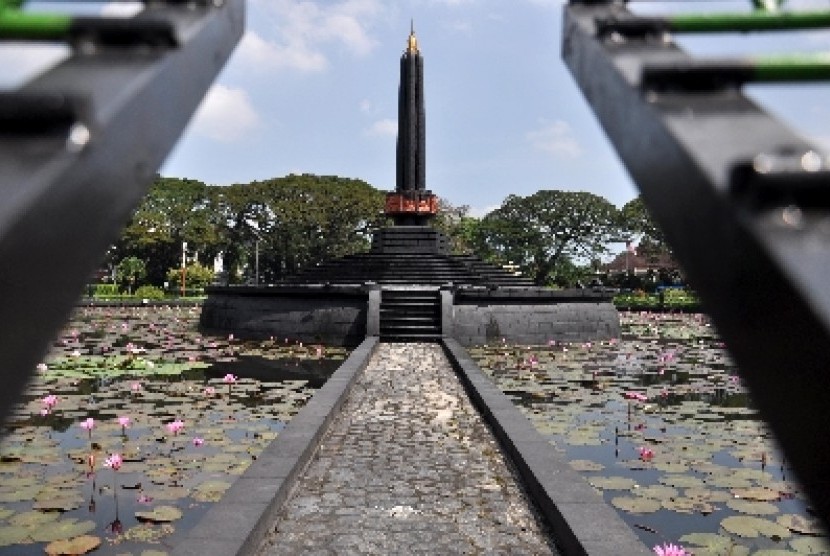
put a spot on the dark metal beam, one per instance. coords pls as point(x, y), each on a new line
point(79, 145)
point(742, 200)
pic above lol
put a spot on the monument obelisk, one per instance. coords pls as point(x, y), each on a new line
point(411, 204)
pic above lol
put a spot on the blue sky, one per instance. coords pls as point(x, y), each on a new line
point(312, 88)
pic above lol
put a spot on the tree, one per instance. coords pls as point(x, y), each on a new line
point(636, 220)
point(196, 276)
point(456, 224)
point(294, 221)
point(172, 212)
point(539, 231)
point(130, 272)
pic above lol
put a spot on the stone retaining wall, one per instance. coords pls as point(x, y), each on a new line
point(531, 316)
point(334, 315)
point(345, 315)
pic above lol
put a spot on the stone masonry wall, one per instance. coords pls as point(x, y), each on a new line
point(477, 324)
point(329, 318)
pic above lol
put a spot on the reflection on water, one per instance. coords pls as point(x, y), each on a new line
point(660, 423)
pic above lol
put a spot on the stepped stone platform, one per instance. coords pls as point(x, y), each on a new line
point(342, 301)
point(410, 449)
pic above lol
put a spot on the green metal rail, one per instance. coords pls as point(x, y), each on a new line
point(715, 22)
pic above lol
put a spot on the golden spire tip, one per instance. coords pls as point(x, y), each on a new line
point(412, 45)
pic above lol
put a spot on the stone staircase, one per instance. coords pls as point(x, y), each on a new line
point(404, 269)
point(410, 315)
point(409, 255)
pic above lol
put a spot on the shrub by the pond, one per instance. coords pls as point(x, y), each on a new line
point(149, 292)
point(105, 290)
point(670, 298)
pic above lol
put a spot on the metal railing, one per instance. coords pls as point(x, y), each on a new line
point(743, 200)
point(79, 145)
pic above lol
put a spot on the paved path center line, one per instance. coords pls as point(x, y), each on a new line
point(408, 467)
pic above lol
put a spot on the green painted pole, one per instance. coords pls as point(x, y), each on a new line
point(17, 25)
point(11, 4)
point(751, 21)
point(792, 68)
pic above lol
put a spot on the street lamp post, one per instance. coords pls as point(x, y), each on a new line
point(184, 265)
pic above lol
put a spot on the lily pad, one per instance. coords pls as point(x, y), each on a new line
point(810, 545)
point(688, 506)
point(636, 504)
point(160, 514)
point(13, 534)
point(63, 503)
point(752, 527)
point(78, 545)
point(33, 519)
point(658, 492)
point(752, 507)
point(64, 529)
point(612, 483)
point(210, 491)
point(801, 524)
point(710, 542)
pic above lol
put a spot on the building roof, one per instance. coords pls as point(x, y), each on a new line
point(641, 262)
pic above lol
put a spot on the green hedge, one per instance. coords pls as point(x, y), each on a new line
point(669, 299)
point(104, 290)
point(149, 292)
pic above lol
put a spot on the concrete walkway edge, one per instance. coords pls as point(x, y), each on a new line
point(580, 520)
point(239, 522)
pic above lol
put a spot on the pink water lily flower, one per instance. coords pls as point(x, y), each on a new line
point(135, 387)
point(230, 378)
point(198, 441)
point(114, 462)
point(50, 401)
point(670, 550)
point(88, 424)
point(646, 454)
point(175, 427)
point(639, 396)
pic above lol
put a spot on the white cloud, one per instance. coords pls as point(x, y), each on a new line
point(303, 30)
point(121, 9)
point(383, 128)
point(256, 52)
point(225, 115)
point(557, 139)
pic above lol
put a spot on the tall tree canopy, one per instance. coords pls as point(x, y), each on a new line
point(172, 212)
point(292, 221)
point(548, 229)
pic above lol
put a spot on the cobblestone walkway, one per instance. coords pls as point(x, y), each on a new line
point(409, 467)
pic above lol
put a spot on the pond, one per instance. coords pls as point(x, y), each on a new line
point(660, 423)
point(136, 423)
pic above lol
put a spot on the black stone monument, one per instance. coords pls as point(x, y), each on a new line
point(409, 287)
point(411, 205)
